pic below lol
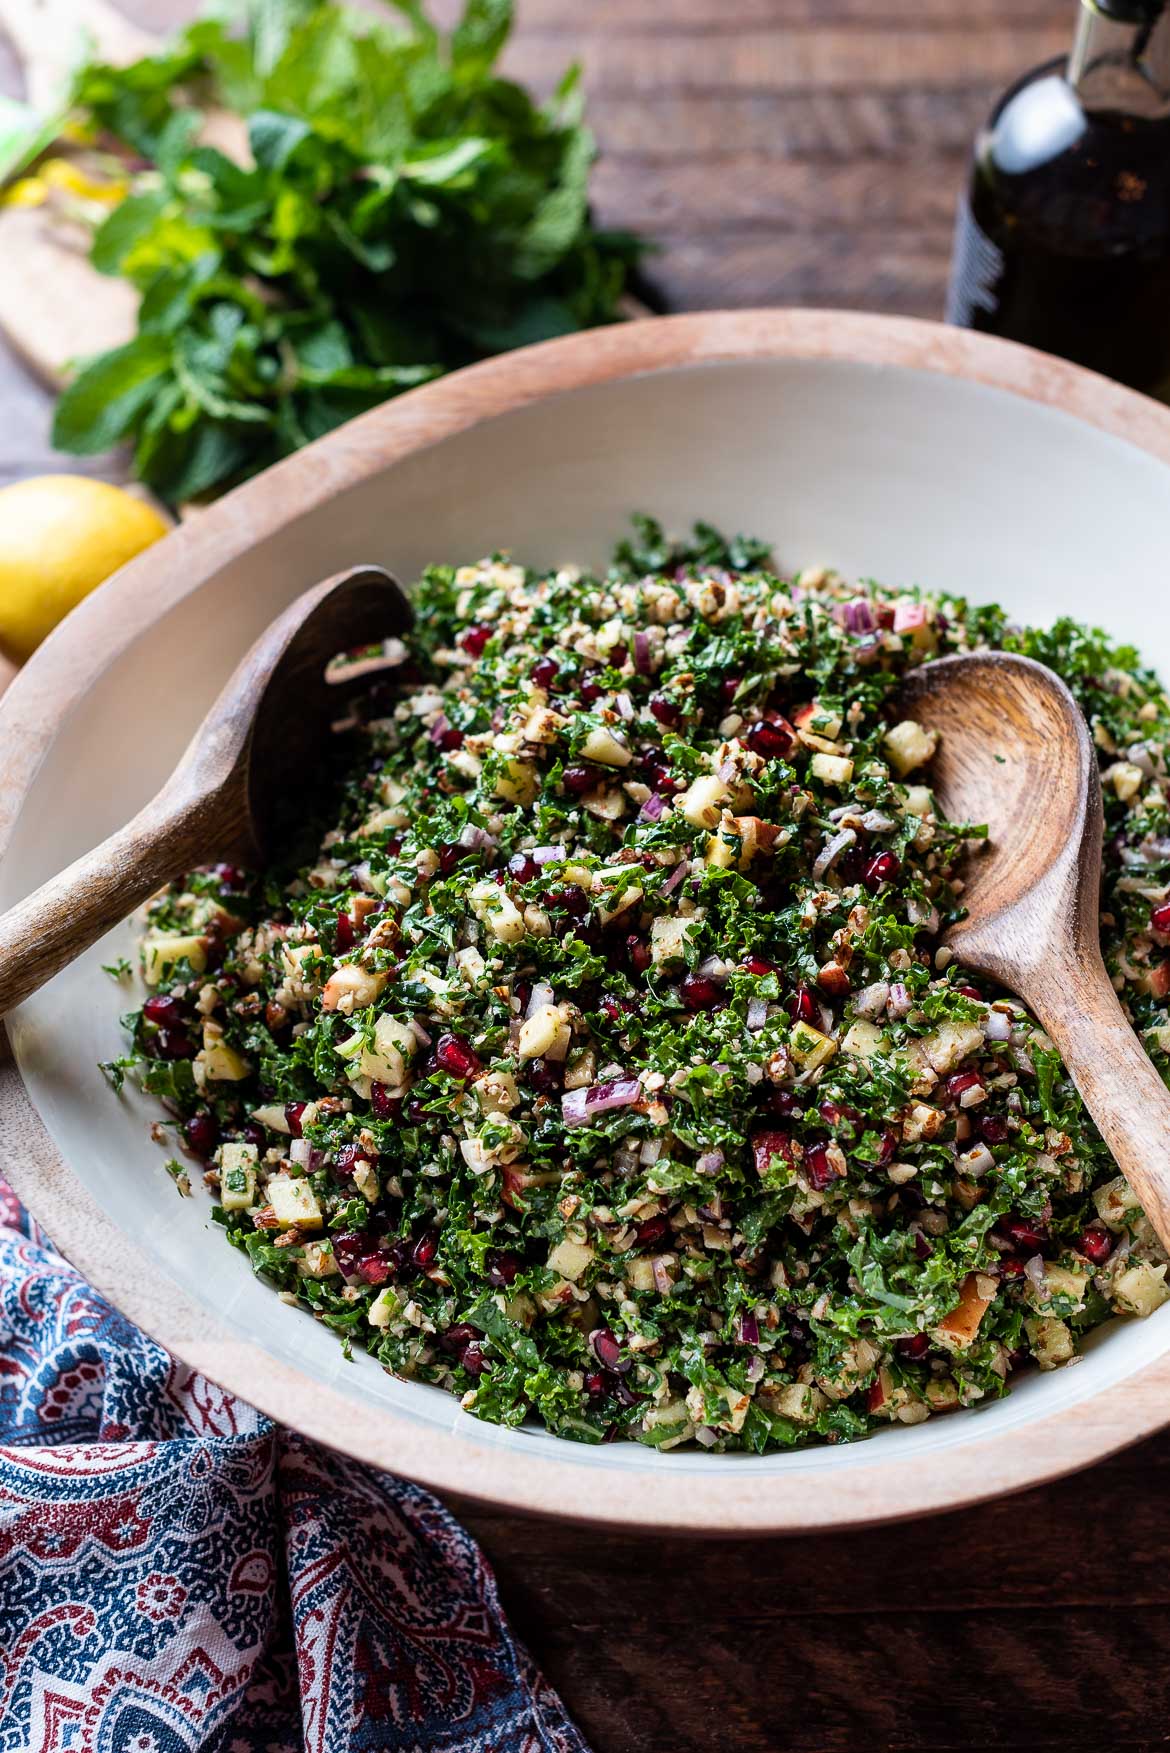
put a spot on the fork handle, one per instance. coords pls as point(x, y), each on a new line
point(1121, 1087)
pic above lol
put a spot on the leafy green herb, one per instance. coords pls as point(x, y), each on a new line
point(398, 210)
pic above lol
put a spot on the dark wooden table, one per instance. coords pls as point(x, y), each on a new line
point(810, 151)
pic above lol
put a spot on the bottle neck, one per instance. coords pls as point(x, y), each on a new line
point(1120, 60)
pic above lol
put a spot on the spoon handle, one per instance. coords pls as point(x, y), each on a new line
point(1122, 1088)
point(72, 910)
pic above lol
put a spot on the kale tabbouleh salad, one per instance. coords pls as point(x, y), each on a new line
point(604, 1065)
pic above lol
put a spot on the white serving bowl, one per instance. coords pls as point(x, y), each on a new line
point(892, 449)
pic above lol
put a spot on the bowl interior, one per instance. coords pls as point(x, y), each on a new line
point(883, 471)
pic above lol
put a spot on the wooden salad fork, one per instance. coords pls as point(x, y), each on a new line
point(1015, 753)
point(229, 792)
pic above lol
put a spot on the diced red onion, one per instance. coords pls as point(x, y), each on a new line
point(757, 1014)
point(714, 968)
point(419, 1032)
point(1140, 756)
point(710, 1162)
point(900, 1002)
point(871, 1000)
point(663, 1282)
point(856, 616)
point(642, 653)
point(876, 822)
point(653, 807)
point(749, 1328)
point(363, 877)
point(624, 705)
point(998, 1026)
point(1034, 1271)
point(300, 1151)
point(440, 727)
point(756, 1368)
point(831, 851)
point(542, 994)
point(727, 772)
point(547, 854)
point(578, 1107)
point(909, 617)
point(977, 1161)
point(922, 914)
point(676, 876)
point(476, 839)
point(705, 1436)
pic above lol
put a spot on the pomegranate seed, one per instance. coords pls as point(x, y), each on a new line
point(568, 898)
point(659, 778)
point(817, 1167)
point(425, 1249)
point(449, 857)
point(608, 1352)
point(502, 1268)
point(963, 1080)
point(591, 691)
point(545, 1076)
point(458, 1336)
point(595, 1384)
point(545, 672)
point(971, 992)
point(769, 1144)
point(346, 935)
point(456, 1058)
point(992, 1129)
point(166, 1013)
point(449, 740)
point(292, 1115)
point(359, 1255)
point(473, 1359)
point(1096, 1244)
point(625, 1395)
point(883, 867)
point(202, 1134)
point(254, 1133)
point(1160, 918)
point(802, 1007)
point(699, 993)
point(770, 740)
point(474, 638)
point(385, 1106)
point(231, 876)
point(923, 1246)
point(652, 1231)
point(729, 688)
point(1010, 1267)
point(875, 1396)
point(835, 1112)
point(523, 867)
point(760, 967)
point(914, 1347)
point(616, 1008)
point(665, 711)
point(1025, 1237)
point(348, 1158)
point(638, 952)
point(174, 1044)
point(578, 780)
point(617, 656)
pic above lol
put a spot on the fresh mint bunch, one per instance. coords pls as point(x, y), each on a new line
point(399, 211)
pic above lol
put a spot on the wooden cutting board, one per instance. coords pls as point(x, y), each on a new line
point(54, 307)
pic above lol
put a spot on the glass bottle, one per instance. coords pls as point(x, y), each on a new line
point(1063, 238)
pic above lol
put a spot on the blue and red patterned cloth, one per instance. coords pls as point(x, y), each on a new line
point(178, 1575)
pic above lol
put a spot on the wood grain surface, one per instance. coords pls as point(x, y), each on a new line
point(809, 151)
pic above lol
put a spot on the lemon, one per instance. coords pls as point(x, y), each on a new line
point(60, 535)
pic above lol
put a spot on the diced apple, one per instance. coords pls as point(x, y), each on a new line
point(809, 1047)
point(494, 907)
point(606, 748)
point(237, 1176)
point(294, 1203)
point(1141, 1288)
point(702, 802)
point(384, 1307)
point(831, 769)
point(162, 950)
point(571, 1259)
point(219, 1062)
point(863, 1040)
point(909, 745)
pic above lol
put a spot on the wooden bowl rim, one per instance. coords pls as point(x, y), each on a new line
point(466, 1459)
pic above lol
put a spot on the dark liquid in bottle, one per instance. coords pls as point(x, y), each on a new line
point(1064, 242)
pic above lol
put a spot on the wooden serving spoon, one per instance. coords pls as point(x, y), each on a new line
point(1015, 753)
point(246, 762)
